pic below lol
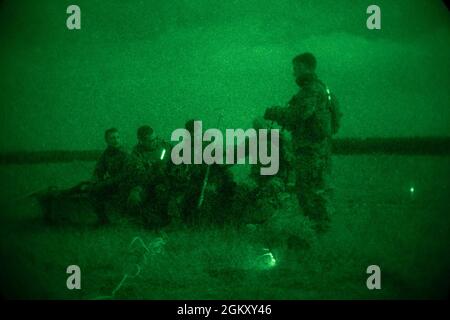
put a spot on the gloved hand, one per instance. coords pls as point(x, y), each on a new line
point(271, 113)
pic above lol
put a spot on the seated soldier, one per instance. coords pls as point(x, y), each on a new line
point(285, 156)
point(206, 194)
point(148, 199)
point(257, 199)
point(109, 174)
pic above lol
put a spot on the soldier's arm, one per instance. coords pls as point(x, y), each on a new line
point(135, 177)
point(288, 117)
point(134, 173)
point(99, 170)
point(299, 109)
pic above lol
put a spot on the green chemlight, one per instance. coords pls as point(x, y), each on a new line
point(163, 154)
point(268, 260)
point(272, 262)
point(328, 94)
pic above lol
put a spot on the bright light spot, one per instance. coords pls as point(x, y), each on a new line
point(411, 189)
point(328, 94)
point(265, 261)
point(272, 261)
point(269, 260)
point(163, 153)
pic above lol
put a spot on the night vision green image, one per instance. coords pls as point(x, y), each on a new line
point(223, 150)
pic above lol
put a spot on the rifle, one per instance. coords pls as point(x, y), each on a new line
point(205, 179)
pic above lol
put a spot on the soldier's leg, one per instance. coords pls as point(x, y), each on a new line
point(145, 210)
point(162, 197)
point(99, 199)
point(311, 188)
point(223, 198)
point(303, 183)
point(321, 191)
point(189, 210)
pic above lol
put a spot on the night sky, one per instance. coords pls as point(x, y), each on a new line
point(162, 62)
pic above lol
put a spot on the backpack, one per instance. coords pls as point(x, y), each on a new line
point(326, 120)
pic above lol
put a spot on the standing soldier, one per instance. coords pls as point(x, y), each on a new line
point(312, 116)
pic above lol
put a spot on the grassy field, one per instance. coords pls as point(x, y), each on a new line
point(392, 211)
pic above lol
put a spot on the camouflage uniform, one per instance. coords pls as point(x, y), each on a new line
point(110, 180)
point(271, 191)
point(149, 176)
point(111, 164)
point(219, 192)
point(309, 119)
point(147, 158)
point(285, 162)
point(187, 183)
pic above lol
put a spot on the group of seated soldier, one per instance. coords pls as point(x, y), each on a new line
point(145, 186)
